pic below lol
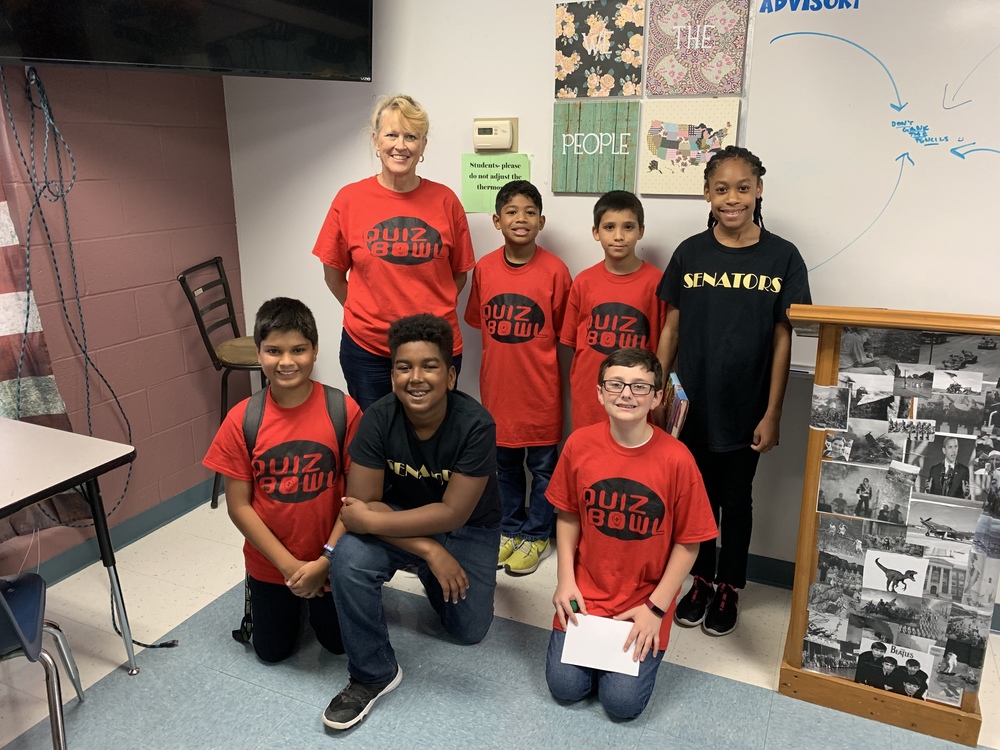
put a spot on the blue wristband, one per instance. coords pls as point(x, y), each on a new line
point(327, 551)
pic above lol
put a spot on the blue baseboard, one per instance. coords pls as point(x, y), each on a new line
point(766, 570)
point(79, 557)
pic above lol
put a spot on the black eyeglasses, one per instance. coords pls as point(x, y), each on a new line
point(617, 386)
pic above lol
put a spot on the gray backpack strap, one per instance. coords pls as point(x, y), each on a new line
point(252, 419)
point(336, 405)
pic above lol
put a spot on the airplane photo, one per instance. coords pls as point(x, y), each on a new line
point(944, 532)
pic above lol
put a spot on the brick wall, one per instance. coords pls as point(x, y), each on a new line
point(153, 196)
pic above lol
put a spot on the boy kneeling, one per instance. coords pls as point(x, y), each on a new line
point(439, 510)
point(632, 514)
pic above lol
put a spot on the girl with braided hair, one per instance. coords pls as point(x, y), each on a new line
point(731, 348)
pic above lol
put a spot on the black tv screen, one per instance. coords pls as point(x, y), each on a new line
point(329, 39)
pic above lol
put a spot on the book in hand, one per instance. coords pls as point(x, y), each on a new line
point(676, 403)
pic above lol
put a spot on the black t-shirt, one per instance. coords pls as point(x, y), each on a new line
point(418, 470)
point(729, 300)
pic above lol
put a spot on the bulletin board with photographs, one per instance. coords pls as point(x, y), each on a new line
point(902, 507)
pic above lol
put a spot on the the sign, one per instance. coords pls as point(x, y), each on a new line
point(594, 146)
point(484, 174)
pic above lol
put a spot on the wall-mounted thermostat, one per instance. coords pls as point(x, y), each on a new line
point(494, 135)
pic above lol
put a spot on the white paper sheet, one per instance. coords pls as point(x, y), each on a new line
point(597, 642)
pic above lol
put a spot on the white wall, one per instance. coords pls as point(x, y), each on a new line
point(295, 143)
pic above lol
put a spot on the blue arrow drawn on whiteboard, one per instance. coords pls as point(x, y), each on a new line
point(903, 158)
point(962, 154)
point(898, 106)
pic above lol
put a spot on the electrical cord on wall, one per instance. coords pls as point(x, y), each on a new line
point(55, 191)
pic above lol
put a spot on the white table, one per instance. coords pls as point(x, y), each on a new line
point(39, 462)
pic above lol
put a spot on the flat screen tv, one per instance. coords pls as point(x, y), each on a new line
point(328, 39)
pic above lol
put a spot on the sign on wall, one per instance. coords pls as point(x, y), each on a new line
point(696, 46)
point(599, 49)
point(680, 136)
point(594, 146)
point(484, 174)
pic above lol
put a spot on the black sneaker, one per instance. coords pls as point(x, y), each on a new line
point(691, 608)
point(723, 613)
point(355, 701)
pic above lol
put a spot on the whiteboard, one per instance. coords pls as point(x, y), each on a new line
point(883, 178)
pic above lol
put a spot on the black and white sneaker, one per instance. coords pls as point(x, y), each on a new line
point(690, 610)
point(723, 613)
point(355, 701)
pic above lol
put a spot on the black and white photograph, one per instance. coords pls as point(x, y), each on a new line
point(834, 600)
point(877, 350)
point(861, 627)
point(991, 413)
point(968, 382)
point(837, 446)
point(945, 581)
point(889, 537)
point(873, 443)
point(969, 625)
point(839, 661)
point(912, 429)
point(894, 574)
point(827, 630)
point(923, 618)
point(944, 466)
point(958, 351)
point(830, 407)
point(943, 524)
point(980, 585)
point(957, 670)
point(866, 489)
point(986, 480)
point(893, 668)
point(834, 570)
point(987, 536)
point(913, 379)
point(841, 536)
point(955, 414)
point(870, 395)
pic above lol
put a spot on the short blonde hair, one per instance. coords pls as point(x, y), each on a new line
point(412, 116)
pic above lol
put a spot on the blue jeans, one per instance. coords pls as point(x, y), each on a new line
point(361, 564)
point(535, 521)
point(369, 376)
point(623, 696)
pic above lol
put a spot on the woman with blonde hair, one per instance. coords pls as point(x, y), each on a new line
point(405, 241)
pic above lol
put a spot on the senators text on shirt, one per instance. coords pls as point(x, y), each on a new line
point(727, 280)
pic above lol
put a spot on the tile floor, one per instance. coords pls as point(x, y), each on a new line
point(183, 580)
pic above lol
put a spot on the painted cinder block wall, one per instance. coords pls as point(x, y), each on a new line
point(153, 196)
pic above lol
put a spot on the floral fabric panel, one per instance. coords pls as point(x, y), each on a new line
point(696, 46)
point(599, 46)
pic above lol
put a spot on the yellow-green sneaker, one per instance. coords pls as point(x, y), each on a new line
point(507, 546)
point(526, 557)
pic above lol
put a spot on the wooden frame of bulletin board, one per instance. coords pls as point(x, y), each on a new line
point(955, 723)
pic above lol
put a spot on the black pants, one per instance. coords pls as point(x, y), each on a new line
point(277, 619)
point(729, 480)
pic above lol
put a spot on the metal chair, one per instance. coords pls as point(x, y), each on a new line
point(22, 621)
point(207, 291)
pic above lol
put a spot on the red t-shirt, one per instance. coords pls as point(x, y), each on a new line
point(634, 505)
point(298, 484)
point(402, 250)
point(520, 311)
point(605, 313)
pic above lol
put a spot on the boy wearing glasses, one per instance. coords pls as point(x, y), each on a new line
point(632, 514)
